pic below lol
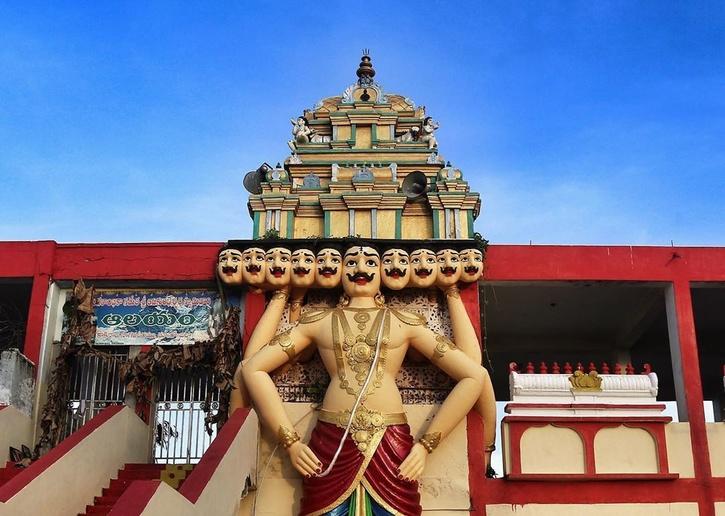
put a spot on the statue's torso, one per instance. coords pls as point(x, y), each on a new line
point(346, 340)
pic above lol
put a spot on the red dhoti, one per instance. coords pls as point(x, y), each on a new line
point(376, 469)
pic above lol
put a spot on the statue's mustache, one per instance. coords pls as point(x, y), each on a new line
point(471, 269)
point(360, 277)
point(448, 271)
point(254, 268)
point(395, 272)
point(423, 272)
point(301, 271)
point(277, 271)
point(229, 269)
point(328, 271)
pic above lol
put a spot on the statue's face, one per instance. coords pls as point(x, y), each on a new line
point(361, 272)
point(395, 269)
point(424, 270)
point(303, 268)
point(253, 266)
point(472, 264)
point(449, 267)
point(229, 267)
point(329, 268)
point(279, 270)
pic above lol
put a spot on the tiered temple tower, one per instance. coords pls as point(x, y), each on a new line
point(363, 163)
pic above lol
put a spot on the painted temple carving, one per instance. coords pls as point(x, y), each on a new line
point(367, 244)
point(350, 177)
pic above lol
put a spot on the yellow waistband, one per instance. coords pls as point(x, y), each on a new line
point(364, 418)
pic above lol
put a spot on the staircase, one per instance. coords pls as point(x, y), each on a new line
point(172, 474)
point(8, 472)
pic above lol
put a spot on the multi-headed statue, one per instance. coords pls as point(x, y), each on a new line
point(362, 453)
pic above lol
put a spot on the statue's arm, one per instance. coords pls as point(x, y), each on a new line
point(464, 334)
point(267, 402)
point(456, 364)
point(470, 380)
point(466, 340)
point(267, 326)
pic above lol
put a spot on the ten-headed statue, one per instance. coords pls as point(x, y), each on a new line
point(361, 453)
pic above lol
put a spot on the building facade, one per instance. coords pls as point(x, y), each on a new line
point(607, 361)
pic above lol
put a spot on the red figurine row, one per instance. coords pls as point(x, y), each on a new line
point(567, 368)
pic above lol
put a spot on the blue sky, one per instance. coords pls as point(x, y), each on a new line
point(579, 123)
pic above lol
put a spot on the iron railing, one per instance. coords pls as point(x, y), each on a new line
point(94, 385)
point(179, 433)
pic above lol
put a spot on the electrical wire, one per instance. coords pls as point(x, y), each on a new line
point(363, 390)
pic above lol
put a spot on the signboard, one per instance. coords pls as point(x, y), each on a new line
point(153, 317)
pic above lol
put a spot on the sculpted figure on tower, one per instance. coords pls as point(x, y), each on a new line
point(362, 456)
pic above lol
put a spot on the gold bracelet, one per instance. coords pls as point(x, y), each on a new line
point(280, 294)
point(430, 441)
point(287, 437)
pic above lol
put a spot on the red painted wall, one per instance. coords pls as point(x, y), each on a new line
point(680, 266)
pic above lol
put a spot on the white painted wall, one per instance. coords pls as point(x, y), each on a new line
point(70, 483)
point(604, 509)
point(15, 429)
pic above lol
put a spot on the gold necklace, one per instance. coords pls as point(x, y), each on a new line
point(361, 318)
point(360, 349)
point(362, 315)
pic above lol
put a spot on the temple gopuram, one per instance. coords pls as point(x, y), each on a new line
point(364, 352)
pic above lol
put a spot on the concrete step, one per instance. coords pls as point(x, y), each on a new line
point(126, 475)
point(157, 467)
point(98, 509)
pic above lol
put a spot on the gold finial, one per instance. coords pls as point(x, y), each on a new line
point(365, 71)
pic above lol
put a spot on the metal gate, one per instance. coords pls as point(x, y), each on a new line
point(179, 434)
point(94, 385)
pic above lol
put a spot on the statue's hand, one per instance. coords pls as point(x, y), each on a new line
point(413, 465)
point(304, 459)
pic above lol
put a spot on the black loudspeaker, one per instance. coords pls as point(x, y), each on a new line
point(415, 184)
point(253, 179)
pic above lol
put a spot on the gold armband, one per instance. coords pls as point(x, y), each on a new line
point(430, 441)
point(314, 315)
point(409, 318)
point(287, 437)
point(284, 340)
point(453, 292)
point(443, 344)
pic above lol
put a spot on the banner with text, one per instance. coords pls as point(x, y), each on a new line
point(153, 317)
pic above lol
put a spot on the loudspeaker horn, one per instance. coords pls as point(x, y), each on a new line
point(415, 184)
point(253, 179)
